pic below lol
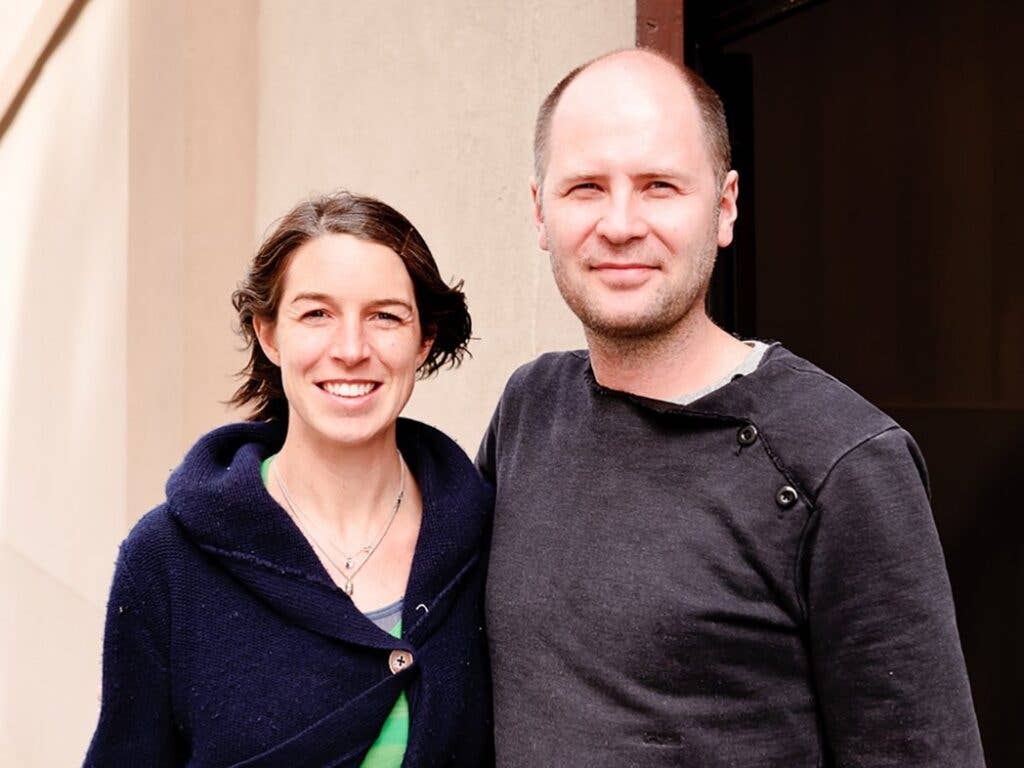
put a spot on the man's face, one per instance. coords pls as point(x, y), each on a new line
point(629, 208)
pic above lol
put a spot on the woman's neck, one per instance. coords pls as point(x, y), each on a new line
point(347, 490)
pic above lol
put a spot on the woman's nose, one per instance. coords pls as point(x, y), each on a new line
point(349, 343)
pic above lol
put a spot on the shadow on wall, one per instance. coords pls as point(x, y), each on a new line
point(62, 485)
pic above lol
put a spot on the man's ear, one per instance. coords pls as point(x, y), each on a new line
point(266, 333)
point(727, 210)
point(538, 215)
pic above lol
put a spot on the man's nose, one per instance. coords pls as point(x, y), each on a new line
point(349, 343)
point(622, 219)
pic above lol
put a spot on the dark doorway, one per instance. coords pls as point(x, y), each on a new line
point(881, 152)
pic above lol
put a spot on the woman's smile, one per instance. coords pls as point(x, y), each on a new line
point(349, 326)
point(349, 390)
point(351, 397)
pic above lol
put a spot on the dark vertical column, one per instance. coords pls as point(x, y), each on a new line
point(732, 298)
point(659, 25)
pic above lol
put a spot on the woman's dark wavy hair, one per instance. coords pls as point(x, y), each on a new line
point(442, 308)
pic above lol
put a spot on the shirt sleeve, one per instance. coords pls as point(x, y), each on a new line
point(889, 671)
point(486, 458)
point(135, 725)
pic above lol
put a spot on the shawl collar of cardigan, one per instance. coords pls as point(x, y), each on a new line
point(218, 498)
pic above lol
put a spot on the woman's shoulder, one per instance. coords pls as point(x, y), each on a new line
point(152, 538)
point(154, 549)
point(144, 573)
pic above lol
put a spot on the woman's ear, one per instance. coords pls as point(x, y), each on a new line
point(266, 332)
point(425, 347)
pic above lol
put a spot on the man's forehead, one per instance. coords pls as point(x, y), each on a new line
point(627, 71)
point(634, 83)
point(621, 103)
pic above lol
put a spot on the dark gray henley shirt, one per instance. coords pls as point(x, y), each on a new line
point(753, 579)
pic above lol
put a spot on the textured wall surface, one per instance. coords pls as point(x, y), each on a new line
point(156, 146)
point(63, 257)
point(430, 107)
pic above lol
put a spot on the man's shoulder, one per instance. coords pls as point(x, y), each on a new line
point(809, 418)
point(797, 388)
point(549, 369)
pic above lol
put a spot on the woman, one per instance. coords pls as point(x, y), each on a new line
point(310, 592)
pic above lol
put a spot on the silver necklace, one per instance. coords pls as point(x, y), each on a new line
point(349, 572)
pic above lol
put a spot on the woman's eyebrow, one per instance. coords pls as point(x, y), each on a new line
point(310, 296)
point(391, 303)
point(326, 299)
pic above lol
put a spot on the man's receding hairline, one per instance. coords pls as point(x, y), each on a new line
point(638, 53)
point(642, 54)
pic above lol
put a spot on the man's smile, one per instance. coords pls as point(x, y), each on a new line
point(623, 274)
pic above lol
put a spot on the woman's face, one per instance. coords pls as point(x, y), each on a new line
point(347, 338)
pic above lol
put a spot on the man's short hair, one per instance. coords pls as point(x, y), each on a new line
point(716, 130)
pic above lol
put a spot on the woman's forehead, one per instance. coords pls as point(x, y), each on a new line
point(345, 266)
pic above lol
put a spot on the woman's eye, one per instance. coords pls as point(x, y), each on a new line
point(386, 318)
point(314, 314)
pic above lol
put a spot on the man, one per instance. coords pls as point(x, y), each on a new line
point(706, 552)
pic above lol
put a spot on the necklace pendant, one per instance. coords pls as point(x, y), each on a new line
point(348, 564)
point(349, 588)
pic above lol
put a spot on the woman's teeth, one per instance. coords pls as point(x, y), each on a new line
point(348, 390)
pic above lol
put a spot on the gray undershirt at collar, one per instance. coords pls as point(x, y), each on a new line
point(388, 616)
point(747, 365)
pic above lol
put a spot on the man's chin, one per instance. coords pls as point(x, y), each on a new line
point(618, 323)
point(624, 327)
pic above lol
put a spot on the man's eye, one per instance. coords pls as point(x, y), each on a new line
point(386, 318)
point(662, 185)
point(314, 314)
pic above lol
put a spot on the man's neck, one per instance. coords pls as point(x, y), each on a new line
point(690, 356)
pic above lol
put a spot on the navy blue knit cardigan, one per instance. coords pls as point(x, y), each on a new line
point(227, 643)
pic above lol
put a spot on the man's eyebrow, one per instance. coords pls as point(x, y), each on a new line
point(576, 178)
point(662, 171)
point(654, 173)
point(667, 173)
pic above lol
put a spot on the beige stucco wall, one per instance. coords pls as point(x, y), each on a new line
point(63, 258)
point(430, 107)
point(15, 20)
point(158, 143)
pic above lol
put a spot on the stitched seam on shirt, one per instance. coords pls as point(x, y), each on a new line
point(812, 508)
point(269, 566)
point(817, 510)
point(848, 451)
point(812, 371)
point(783, 469)
point(802, 555)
